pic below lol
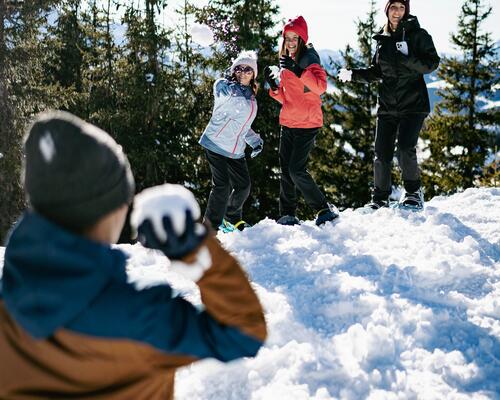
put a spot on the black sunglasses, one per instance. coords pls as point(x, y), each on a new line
point(246, 70)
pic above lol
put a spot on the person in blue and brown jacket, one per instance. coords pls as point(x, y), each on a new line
point(71, 325)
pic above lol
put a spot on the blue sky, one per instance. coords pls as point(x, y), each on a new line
point(331, 22)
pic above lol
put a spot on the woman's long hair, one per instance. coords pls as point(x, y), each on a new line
point(301, 47)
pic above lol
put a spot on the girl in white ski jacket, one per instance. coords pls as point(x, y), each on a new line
point(229, 129)
point(225, 139)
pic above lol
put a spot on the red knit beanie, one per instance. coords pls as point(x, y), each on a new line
point(297, 25)
point(406, 3)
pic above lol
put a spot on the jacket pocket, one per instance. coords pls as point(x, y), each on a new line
point(314, 113)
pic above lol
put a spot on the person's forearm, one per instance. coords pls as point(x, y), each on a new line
point(365, 75)
point(228, 295)
point(314, 77)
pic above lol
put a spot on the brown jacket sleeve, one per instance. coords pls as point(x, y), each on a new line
point(227, 294)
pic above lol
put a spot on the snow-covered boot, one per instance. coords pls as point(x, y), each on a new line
point(412, 200)
point(327, 214)
point(288, 220)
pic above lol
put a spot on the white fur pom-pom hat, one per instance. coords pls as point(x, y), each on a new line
point(247, 57)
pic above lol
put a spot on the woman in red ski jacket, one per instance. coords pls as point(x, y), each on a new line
point(302, 82)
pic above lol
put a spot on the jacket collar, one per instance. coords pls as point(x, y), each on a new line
point(310, 56)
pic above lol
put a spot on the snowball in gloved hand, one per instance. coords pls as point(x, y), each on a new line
point(166, 200)
point(275, 71)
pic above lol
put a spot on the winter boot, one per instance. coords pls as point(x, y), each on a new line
point(241, 225)
point(226, 226)
point(412, 200)
point(327, 214)
point(375, 204)
point(288, 220)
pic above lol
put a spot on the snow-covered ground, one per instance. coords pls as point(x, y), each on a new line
point(392, 305)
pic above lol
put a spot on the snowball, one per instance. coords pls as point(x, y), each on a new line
point(165, 200)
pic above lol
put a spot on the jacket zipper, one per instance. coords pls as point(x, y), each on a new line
point(224, 127)
point(241, 130)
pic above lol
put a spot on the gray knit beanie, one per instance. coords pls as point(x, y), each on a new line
point(74, 173)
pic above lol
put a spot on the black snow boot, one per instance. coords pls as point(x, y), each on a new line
point(375, 204)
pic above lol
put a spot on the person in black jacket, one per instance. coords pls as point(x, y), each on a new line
point(405, 52)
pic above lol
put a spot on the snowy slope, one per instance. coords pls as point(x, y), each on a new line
point(393, 305)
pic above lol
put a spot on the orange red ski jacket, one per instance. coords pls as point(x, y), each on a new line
point(300, 97)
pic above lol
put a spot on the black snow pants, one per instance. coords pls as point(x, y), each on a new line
point(405, 129)
point(295, 146)
point(230, 188)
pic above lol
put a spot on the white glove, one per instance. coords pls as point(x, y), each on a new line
point(345, 75)
point(165, 201)
point(402, 47)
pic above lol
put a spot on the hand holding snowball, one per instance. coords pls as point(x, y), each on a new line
point(165, 219)
point(271, 74)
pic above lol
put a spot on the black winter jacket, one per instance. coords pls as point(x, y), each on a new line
point(402, 89)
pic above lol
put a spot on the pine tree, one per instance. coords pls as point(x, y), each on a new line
point(66, 45)
point(191, 106)
point(99, 59)
point(23, 92)
point(343, 157)
point(458, 133)
point(143, 92)
point(10, 161)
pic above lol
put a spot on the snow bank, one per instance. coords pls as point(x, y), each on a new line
point(392, 305)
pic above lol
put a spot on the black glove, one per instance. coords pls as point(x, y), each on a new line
point(176, 246)
point(288, 63)
point(256, 151)
point(269, 79)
